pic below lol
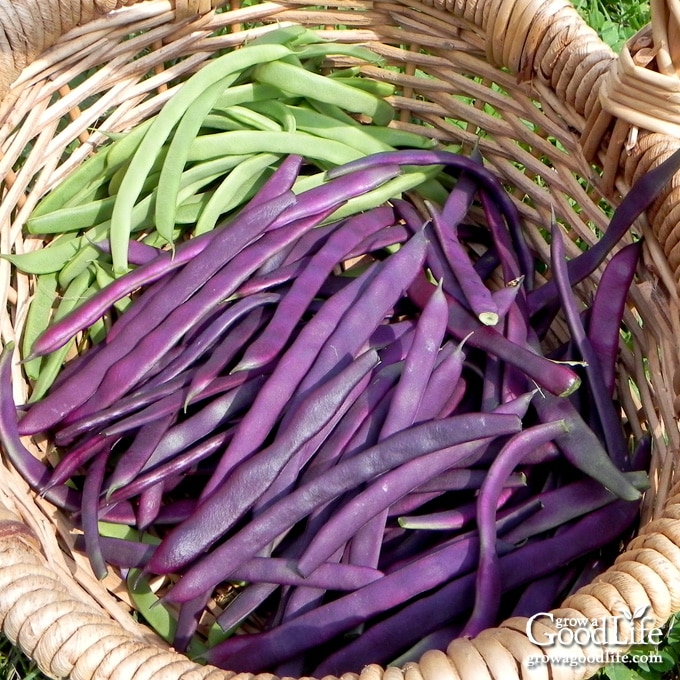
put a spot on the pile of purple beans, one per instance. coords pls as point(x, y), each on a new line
point(344, 424)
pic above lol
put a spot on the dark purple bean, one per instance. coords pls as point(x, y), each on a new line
point(305, 287)
point(432, 611)
point(290, 473)
point(478, 296)
point(395, 450)
point(607, 307)
point(139, 399)
point(642, 454)
point(444, 380)
point(457, 518)
point(438, 639)
point(138, 453)
point(420, 362)
point(489, 184)
point(176, 511)
point(244, 604)
point(223, 508)
point(460, 199)
point(503, 244)
point(264, 282)
point(332, 194)
point(443, 520)
point(89, 515)
point(640, 196)
point(505, 297)
point(609, 417)
point(168, 469)
point(361, 320)
point(215, 414)
point(121, 552)
point(123, 513)
point(563, 504)
point(342, 442)
point(149, 504)
point(69, 464)
point(188, 618)
point(224, 351)
point(581, 447)
point(36, 473)
point(306, 246)
point(289, 371)
point(207, 340)
point(555, 378)
point(410, 503)
point(515, 379)
point(487, 263)
point(458, 480)
point(540, 595)
point(75, 392)
point(389, 236)
point(488, 581)
point(139, 253)
point(387, 333)
point(329, 575)
point(280, 182)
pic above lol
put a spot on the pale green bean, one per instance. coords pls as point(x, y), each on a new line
point(233, 190)
point(38, 318)
point(176, 156)
point(222, 143)
point(358, 137)
point(46, 260)
point(229, 65)
point(299, 81)
point(79, 289)
point(250, 119)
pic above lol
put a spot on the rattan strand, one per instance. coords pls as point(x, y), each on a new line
point(51, 606)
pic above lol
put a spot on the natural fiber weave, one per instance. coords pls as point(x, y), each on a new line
point(526, 77)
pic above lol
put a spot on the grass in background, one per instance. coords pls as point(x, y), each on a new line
point(14, 665)
point(615, 21)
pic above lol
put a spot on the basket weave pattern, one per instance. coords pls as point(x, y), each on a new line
point(522, 76)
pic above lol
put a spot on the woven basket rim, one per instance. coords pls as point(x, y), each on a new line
point(540, 35)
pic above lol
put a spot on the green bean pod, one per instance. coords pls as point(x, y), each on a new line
point(234, 190)
point(46, 260)
point(212, 146)
point(224, 68)
point(176, 157)
point(356, 136)
point(79, 289)
point(295, 80)
point(38, 318)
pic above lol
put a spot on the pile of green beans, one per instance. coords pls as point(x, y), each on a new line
point(201, 159)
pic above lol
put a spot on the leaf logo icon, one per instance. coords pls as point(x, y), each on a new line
point(627, 615)
point(639, 612)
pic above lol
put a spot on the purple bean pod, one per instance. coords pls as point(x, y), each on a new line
point(393, 451)
point(488, 580)
point(36, 473)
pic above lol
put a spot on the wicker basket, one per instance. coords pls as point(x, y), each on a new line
point(547, 95)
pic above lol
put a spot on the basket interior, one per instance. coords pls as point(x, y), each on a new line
point(116, 71)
